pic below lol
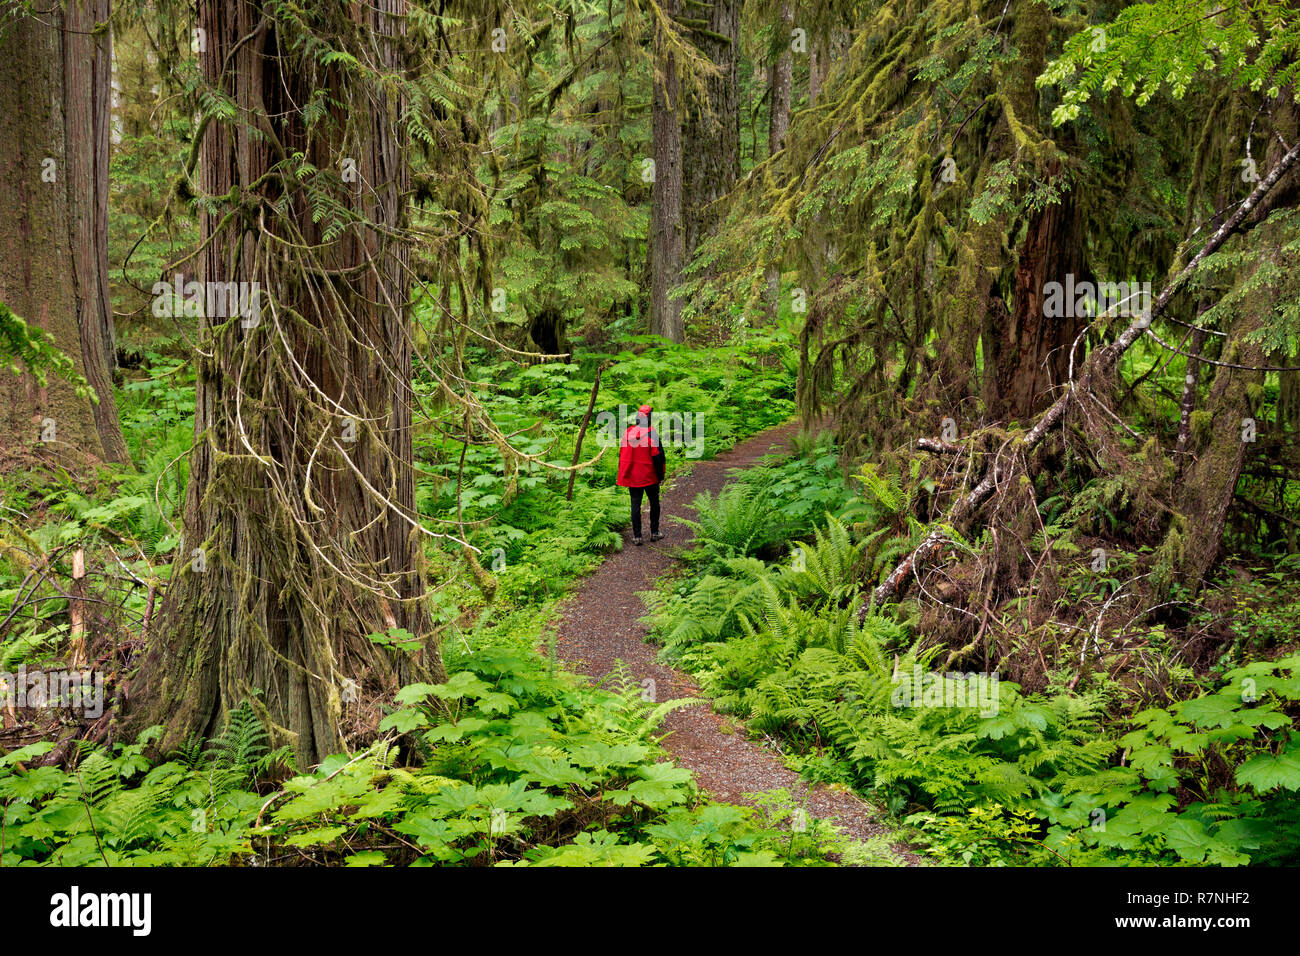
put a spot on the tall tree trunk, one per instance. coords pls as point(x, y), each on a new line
point(780, 80)
point(1026, 351)
point(667, 243)
point(1028, 355)
point(822, 52)
point(818, 64)
point(712, 138)
point(300, 534)
point(55, 71)
point(1191, 388)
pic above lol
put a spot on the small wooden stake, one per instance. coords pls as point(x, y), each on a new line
point(76, 608)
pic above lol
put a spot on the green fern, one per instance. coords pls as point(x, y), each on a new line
point(739, 522)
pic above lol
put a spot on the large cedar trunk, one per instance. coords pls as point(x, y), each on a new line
point(712, 138)
point(1027, 352)
point(667, 245)
point(54, 73)
point(300, 533)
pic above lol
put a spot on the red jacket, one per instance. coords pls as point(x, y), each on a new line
point(636, 454)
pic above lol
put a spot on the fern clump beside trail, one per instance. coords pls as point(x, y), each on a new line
point(982, 771)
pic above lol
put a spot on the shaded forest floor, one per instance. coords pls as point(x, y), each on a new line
point(600, 628)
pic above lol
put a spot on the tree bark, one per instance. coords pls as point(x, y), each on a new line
point(821, 54)
point(300, 535)
point(816, 66)
point(667, 242)
point(1207, 484)
point(1187, 402)
point(582, 430)
point(1027, 357)
point(54, 124)
point(712, 138)
point(780, 79)
point(1027, 352)
point(1100, 363)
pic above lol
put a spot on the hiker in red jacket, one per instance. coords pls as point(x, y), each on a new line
point(641, 469)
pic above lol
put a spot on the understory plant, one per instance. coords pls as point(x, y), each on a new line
point(1071, 775)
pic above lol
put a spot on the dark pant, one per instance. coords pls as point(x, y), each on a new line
point(651, 491)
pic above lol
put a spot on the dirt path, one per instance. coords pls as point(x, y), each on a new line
point(599, 627)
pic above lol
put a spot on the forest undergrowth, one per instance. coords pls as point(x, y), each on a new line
point(511, 761)
point(1042, 743)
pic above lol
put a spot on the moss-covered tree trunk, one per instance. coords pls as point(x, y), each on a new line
point(54, 119)
point(1225, 430)
point(780, 81)
point(1221, 436)
point(300, 533)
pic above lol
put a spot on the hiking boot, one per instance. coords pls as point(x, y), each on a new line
point(637, 540)
point(655, 535)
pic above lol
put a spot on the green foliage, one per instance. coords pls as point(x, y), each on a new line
point(828, 568)
point(124, 518)
point(741, 521)
point(33, 350)
point(901, 203)
point(517, 761)
point(114, 807)
point(712, 610)
point(997, 777)
point(808, 485)
point(564, 539)
point(726, 391)
point(1170, 44)
point(522, 767)
point(153, 126)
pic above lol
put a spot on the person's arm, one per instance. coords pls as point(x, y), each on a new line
point(658, 458)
